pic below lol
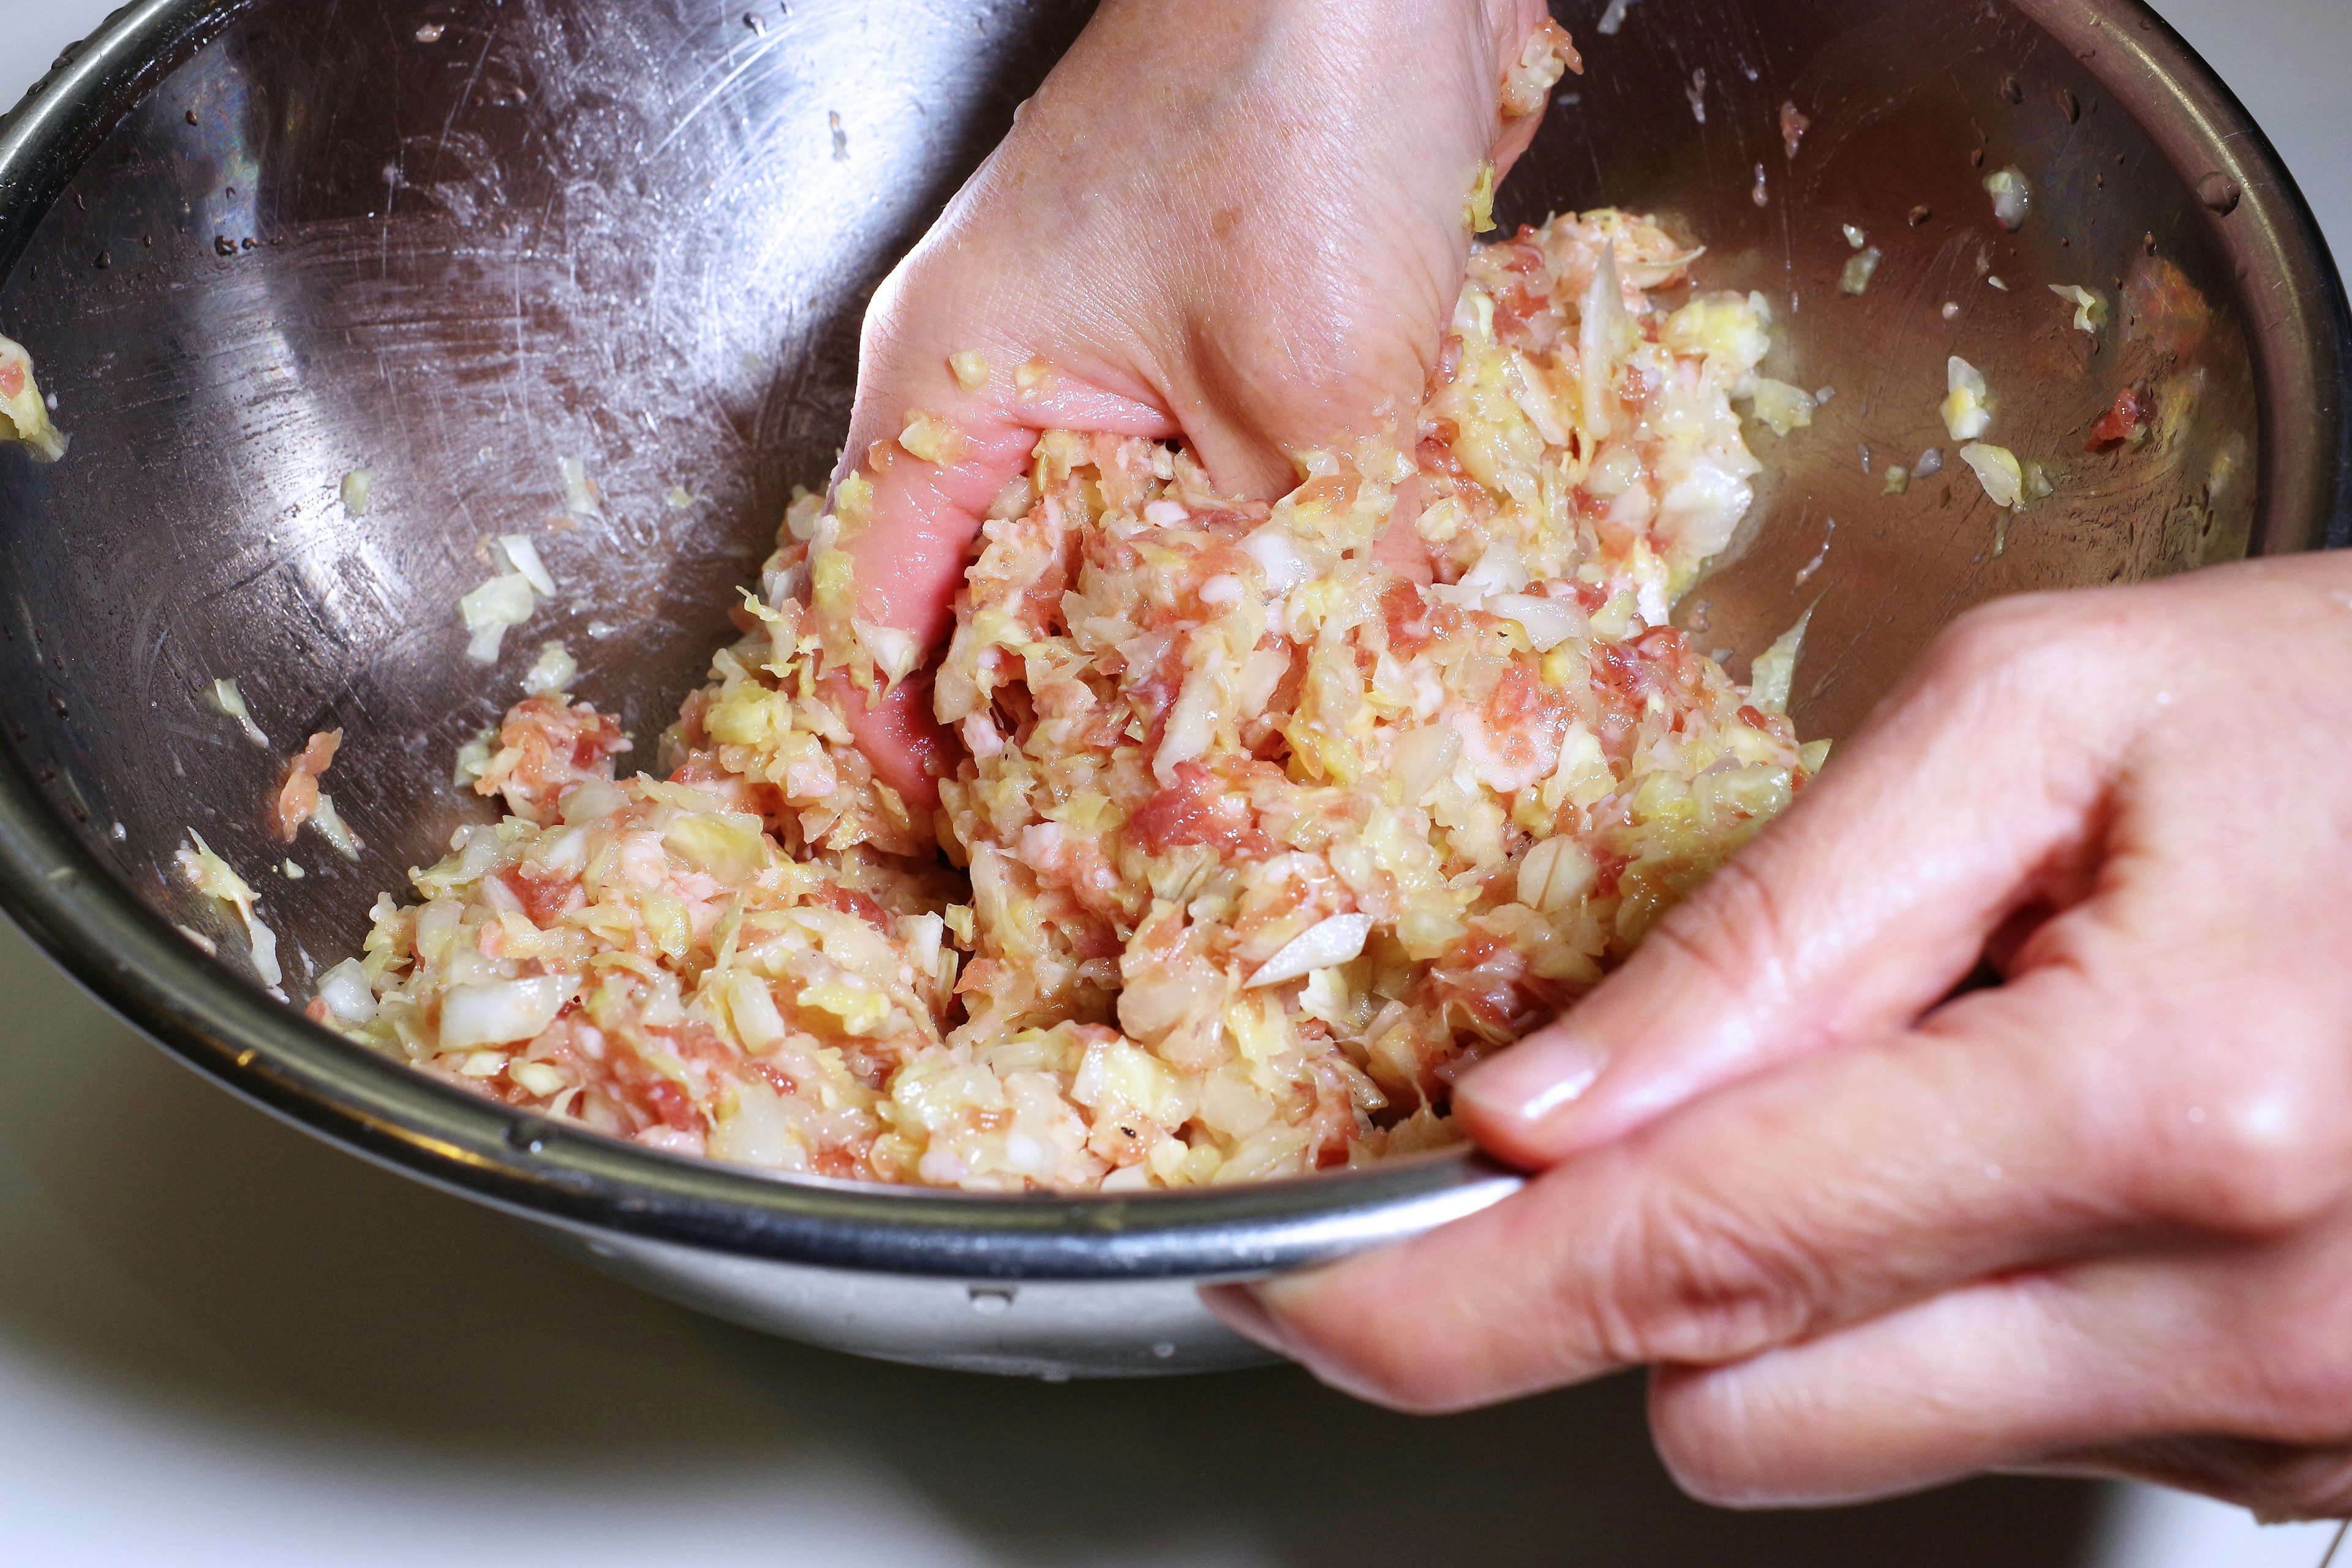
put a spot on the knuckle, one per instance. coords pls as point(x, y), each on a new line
point(1694, 1280)
point(2037, 642)
point(1990, 636)
point(2243, 1160)
point(1734, 930)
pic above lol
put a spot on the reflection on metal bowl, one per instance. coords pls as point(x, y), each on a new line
point(256, 246)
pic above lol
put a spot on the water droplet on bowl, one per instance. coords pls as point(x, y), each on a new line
point(991, 1299)
point(2218, 192)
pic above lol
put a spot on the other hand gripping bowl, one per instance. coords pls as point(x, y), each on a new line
point(255, 245)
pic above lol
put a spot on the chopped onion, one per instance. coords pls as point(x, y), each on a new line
point(1271, 549)
point(1500, 570)
point(474, 758)
point(1555, 874)
point(504, 601)
point(210, 875)
point(1319, 946)
point(357, 488)
point(231, 703)
point(1860, 271)
point(537, 1077)
point(334, 829)
point(1968, 403)
point(1262, 673)
point(1782, 407)
point(347, 994)
point(580, 498)
point(1998, 469)
point(593, 801)
point(500, 1012)
point(1192, 724)
point(2090, 306)
point(933, 438)
point(523, 556)
point(23, 412)
point(1603, 337)
point(2013, 198)
point(1014, 499)
point(893, 651)
point(1548, 622)
point(1422, 756)
point(971, 369)
point(553, 674)
point(751, 1007)
point(1775, 669)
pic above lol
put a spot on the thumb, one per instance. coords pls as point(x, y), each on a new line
point(1977, 788)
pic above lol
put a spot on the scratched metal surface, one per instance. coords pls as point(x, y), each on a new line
point(641, 235)
point(453, 240)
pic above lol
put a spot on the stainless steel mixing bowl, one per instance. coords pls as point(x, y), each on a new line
point(255, 244)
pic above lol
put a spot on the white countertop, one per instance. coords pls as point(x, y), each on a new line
point(223, 1342)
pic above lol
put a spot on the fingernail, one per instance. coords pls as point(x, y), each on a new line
point(1238, 1308)
point(1536, 1079)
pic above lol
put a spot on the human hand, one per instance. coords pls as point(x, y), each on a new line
point(1241, 222)
point(2095, 1218)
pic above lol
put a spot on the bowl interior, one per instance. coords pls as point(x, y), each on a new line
point(453, 242)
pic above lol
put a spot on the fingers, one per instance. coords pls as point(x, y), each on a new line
point(2220, 1369)
point(909, 749)
point(1995, 1374)
point(1812, 1197)
point(1977, 788)
point(935, 476)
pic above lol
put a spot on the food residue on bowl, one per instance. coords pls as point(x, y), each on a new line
point(2090, 306)
point(1968, 401)
point(1860, 269)
point(2012, 197)
point(508, 599)
point(229, 702)
point(23, 412)
point(208, 874)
